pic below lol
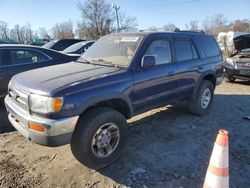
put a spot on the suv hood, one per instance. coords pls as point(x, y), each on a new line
point(48, 79)
point(242, 42)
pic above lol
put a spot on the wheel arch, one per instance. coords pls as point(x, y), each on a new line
point(118, 102)
point(210, 76)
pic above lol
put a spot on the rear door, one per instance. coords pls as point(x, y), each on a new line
point(4, 80)
point(189, 65)
point(156, 86)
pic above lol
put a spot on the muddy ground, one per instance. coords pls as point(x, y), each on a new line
point(168, 147)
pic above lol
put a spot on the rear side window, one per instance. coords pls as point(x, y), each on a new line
point(183, 50)
point(1, 57)
point(209, 45)
point(26, 56)
point(161, 50)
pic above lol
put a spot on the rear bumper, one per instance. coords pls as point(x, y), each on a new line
point(57, 132)
point(243, 74)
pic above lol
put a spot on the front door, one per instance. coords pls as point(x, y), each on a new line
point(156, 86)
point(4, 79)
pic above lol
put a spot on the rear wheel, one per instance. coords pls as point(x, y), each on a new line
point(99, 137)
point(201, 104)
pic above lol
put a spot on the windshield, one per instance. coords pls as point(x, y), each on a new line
point(117, 50)
point(75, 47)
point(49, 44)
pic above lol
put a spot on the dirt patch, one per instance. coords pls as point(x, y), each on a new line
point(14, 174)
point(167, 147)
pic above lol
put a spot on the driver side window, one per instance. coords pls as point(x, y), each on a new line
point(161, 49)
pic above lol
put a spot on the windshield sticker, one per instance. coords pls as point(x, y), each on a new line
point(129, 39)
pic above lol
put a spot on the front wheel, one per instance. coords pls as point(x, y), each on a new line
point(201, 104)
point(99, 137)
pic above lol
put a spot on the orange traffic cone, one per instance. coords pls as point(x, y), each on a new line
point(218, 173)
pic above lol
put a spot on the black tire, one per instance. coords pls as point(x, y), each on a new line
point(230, 79)
point(195, 105)
point(87, 126)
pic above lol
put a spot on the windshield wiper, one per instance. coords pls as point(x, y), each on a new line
point(83, 60)
point(105, 62)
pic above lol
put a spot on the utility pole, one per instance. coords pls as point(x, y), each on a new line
point(117, 16)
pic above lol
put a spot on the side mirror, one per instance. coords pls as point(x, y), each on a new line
point(148, 61)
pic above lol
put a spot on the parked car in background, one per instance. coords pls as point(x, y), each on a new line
point(18, 58)
point(61, 44)
point(86, 103)
point(37, 41)
point(7, 41)
point(237, 65)
point(78, 48)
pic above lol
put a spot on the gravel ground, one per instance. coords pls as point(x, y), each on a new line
point(168, 147)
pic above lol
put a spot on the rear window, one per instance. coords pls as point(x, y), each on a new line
point(209, 45)
point(61, 45)
point(49, 44)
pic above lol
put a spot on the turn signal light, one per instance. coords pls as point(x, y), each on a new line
point(57, 104)
point(36, 126)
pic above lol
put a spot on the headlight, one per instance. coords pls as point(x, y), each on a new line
point(230, 62)
point(43, 104)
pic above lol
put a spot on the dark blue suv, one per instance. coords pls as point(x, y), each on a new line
point(86, 102)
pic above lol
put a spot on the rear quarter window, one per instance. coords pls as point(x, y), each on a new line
point(209, 45)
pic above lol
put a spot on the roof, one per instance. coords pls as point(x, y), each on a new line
point(9, 46)
point(19, 46)
point(147, 33)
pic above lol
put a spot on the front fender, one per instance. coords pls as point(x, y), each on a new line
point(109, 96)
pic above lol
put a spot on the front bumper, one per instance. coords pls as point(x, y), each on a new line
point(219, 79)
point(243, 74)
point(57, 132)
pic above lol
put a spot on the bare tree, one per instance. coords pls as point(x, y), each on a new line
point(4, 30)
point(15, 34)
point(26, 33)
point(169, 27)
point(63, 30)
point(241, 25)
point(43, 33)
point(98, 19)
point(192, 25)
point(215, 24)
point(127, 23)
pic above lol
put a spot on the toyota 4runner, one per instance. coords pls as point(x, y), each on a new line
point(86, 102)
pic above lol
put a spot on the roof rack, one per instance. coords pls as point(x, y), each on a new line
point(190, 31)
point(171, 30)
point(153, 29)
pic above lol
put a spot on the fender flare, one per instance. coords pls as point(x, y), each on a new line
point(198, 82)
point(109, 96)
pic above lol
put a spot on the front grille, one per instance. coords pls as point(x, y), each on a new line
point(244, 65)
point(19, 97)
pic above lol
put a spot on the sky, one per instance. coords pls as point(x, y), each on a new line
point(45, 13)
